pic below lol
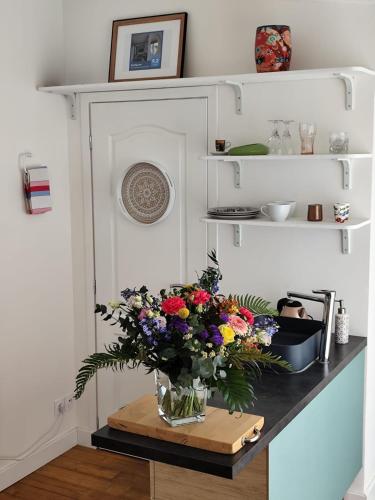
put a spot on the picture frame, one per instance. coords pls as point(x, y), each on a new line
point(145, 48)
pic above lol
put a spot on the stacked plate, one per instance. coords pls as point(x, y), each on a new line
point(234, 213)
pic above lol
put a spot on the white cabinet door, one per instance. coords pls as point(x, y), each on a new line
point(173, 135)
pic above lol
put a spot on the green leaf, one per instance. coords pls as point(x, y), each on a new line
point(168, 353)
point(236, 389)
point(257, 305)
point(113, 358)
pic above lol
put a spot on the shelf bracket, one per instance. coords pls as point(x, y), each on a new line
point(73, 104)
point(346, 173)
point(237, 235)
point(238, 91)
point(346, 241)
point(349, 89)
point(237, 169)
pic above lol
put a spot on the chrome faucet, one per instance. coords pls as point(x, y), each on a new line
point(328, 301)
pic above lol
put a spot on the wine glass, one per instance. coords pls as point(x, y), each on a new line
point(274, 141)
point(286, 139)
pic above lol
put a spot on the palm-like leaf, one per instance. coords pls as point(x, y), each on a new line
point(236, 390)
point(256, 305)
point(113, 358)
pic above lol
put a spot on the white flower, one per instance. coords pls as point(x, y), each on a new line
point(149, 314)
point(204, 355)
point(209, 345)
point(149, 299)
point(115, 304)
point(212, 354)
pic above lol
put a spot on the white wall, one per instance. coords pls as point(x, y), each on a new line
point(220, 40)
point(36, 333)
point(220, 34)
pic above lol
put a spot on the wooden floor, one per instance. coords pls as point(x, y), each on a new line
point(85, 473)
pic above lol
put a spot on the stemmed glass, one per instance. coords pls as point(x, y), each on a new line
point(286, 139)
point(274, 141)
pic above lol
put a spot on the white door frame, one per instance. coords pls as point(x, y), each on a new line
point(84, 283)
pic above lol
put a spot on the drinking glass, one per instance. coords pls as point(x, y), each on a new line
point(339, 143)
point(286, 139)
point(274, 141)
point(307, 132)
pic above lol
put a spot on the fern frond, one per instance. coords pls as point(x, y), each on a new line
point(256, 357)
point(111, 359)
point(257, 305)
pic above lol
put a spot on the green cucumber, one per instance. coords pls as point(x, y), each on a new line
point(248, 150)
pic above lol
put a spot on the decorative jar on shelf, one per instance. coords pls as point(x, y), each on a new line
point(180, 405)
point(273, 48)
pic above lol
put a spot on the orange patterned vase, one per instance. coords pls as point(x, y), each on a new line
point(273, 48)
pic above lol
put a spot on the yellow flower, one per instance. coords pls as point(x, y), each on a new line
point(228, 333)
point(183, 312)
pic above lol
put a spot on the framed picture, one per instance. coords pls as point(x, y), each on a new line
point(148, 47)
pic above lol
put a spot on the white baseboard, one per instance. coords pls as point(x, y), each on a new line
point(14, 471)
point(84, 437)
point(355, 496)
point(370, 490)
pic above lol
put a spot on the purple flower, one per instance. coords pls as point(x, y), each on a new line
point(224, 317)
point(267, 324)
point(179, 324)
point(217, 339)
point(214, 330)
point(204, 335)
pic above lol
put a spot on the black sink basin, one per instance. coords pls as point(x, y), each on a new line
point(297, 341)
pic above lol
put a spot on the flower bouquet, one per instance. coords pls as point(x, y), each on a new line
point(194, 339)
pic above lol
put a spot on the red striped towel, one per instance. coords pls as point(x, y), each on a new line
point(37, 190)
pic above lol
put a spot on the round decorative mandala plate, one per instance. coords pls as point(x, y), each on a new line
point(146, 193)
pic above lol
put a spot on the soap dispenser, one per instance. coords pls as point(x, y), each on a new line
point(341, 325)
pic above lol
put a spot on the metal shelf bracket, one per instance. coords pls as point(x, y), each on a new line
point(237, 166)
point(349, 89)
point(238, 91)
point(237, 228)
point(346, 173)
point(346, 241)
point(73, 104)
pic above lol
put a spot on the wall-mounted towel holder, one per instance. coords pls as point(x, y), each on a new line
point(36, 185)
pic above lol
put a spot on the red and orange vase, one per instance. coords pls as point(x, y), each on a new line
point(273, 48)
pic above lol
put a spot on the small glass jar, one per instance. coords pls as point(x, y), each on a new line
point(307, 132)
point(180, 405)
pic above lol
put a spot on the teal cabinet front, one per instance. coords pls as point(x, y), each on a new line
point(318, 455)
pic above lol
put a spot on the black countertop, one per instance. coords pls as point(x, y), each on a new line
point(279, 399)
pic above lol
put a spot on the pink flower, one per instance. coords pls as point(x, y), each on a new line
point(172, 305)
point(247, 314)
point(142, 314)
point(200, 297)
point(238, 324)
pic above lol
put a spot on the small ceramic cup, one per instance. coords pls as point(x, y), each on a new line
point(315, 212)
point(341, 212)
point(221, 145)
point(277, 211)
point(292, 205)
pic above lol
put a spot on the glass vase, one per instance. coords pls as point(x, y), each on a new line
point(180, 405)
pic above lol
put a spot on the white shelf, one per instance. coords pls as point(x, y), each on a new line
point(345, 161)
point(317, 157)
point(282, 76)
point(298, 223)
point(347, 75)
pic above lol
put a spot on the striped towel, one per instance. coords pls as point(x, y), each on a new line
point(37, 190)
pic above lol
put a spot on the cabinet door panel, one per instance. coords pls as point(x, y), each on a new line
point(318, 455)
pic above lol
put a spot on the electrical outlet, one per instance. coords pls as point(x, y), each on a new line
point(63, 405)
point(59, 406)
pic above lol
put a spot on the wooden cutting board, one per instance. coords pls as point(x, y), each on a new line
point(220, 432)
